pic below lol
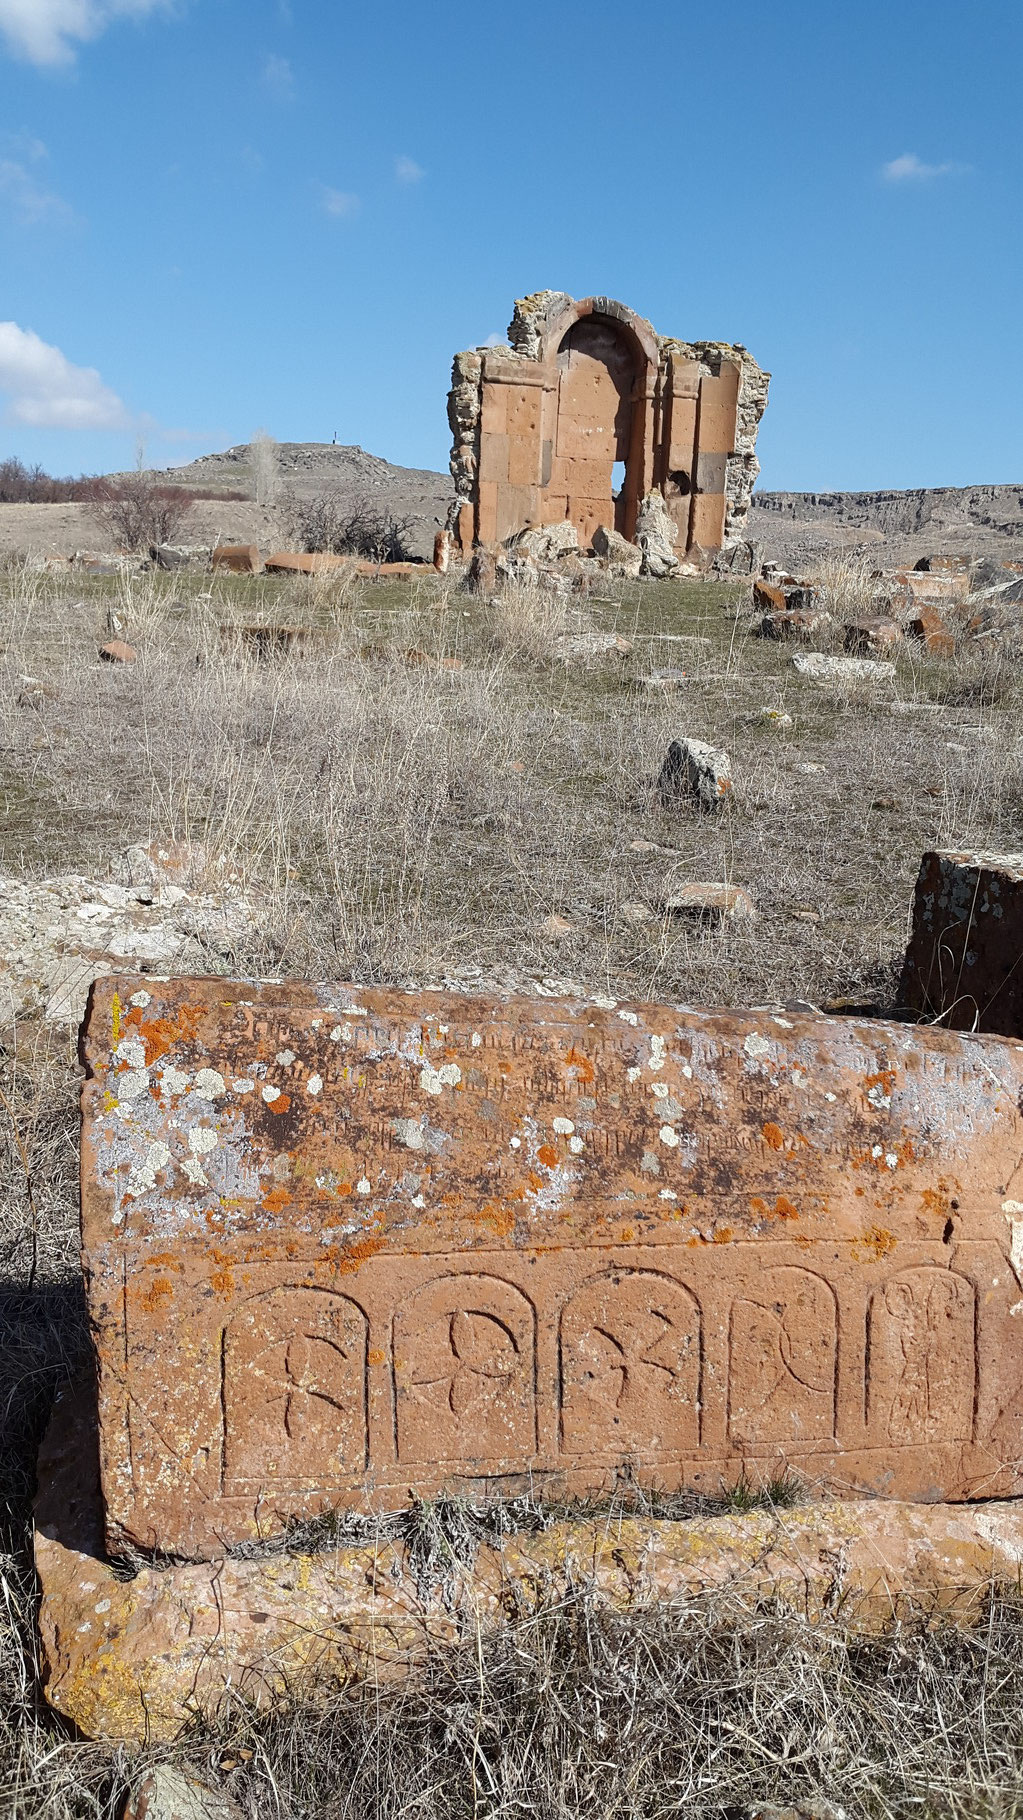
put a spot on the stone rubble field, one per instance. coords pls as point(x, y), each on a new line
point(573, 783)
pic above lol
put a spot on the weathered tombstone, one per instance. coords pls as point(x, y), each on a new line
point(341, 1245)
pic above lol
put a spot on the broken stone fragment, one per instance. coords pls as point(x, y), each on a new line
point(822, 669)
point(962, 965)
point(115, 651)
point(545, 543)
point(794, 622)
point(168, 1793)
point(775, 717)
point(865, 637)
point(694, 772)
point(33, 692)
point(623, 557)
point(709, 903)
point(590, 647)
point(656, 535)
point(661, 682)
point(927, 624)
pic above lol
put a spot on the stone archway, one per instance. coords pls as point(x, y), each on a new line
point(598, 365)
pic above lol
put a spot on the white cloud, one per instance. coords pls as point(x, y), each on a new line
point(407, 170)
point(31, 201)
point(495, 341)
point(342, 204)
point(47, 392)
point(911, 169)
point(278, 77)
point(47, 32)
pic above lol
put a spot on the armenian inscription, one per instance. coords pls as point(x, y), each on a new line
point(345, 1245)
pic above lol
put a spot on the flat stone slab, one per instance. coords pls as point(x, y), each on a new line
point(138, 1660)
point(344, 1244)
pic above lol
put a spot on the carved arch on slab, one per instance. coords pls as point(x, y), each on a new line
point(293, 1388)
point(630, 1365)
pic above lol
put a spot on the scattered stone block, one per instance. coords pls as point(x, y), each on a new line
point(135, 1661)
point(305, 562)
point(776, 717)
point(156, 863)
point(694, 772)
point(796, 622)
point(545, 543)
point(820, 668)
point(962, 964)
point(869, 637)
point(928, 625)
point(710, 904)
point(115, 651)
point(769, 595)
point(237, 558)
point(623, 558)
point(481, 575)
point(179, 556)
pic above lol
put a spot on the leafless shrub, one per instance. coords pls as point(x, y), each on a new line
point(139, 511)
point(21, 485)
point(333, 524)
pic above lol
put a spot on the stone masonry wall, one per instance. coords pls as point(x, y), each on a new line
point(538, 426)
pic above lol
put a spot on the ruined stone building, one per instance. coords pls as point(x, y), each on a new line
point(587, 412)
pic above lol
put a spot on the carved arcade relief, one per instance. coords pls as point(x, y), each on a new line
point(527, 1244)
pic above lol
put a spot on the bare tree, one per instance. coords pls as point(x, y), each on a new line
point(139, 511)
point(348, 527)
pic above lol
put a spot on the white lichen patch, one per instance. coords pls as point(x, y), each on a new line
point(194, 1171)
point(669, 1137)
point(576, 1145)
point(410, 1133)
point(477, 1040)
point(209, 1085)
point(142, 1179)
point(173, 1080)
point(202, 1139)
point(633, 1074)
point(660, 1089)
point(271, 1093)
point(756, 1047)
point(658, 1050)
point(244, 1086)
point(515, 1143)
point(628, 1017)
point(285, 1057)
point(314, 1084)
point(140, 1000)
point(563, 1127)
point(418, 1200)
point(131, 1051)
point(363, 1186)
point(434, 1080)
point(879, 1099)
point(132, 1085)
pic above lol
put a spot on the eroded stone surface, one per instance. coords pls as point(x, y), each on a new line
point(963, 960)
point(341, 1244)
point(138, 1659)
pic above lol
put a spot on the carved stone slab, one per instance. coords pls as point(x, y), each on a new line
point(341, 1244)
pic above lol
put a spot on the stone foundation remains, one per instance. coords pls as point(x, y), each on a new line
point(964, 962)
point(342, 1247)
point(540, 427)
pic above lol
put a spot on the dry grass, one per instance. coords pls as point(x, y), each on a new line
point(400, 820)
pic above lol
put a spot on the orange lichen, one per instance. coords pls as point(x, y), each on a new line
point(548, 1156)
point(876, 1241)
point(276, 1199)
point(773, 1135)
point(159, 1291)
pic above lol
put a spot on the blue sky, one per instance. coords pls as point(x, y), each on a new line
point(221, 215)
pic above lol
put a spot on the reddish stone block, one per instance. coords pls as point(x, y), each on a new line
point(117, 652)
point(928, 625)
point(769, 597)
point(239, 558)
point(963, 960)
point(866, 637)
point(344, 1244)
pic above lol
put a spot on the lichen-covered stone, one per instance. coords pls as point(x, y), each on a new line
point(962, 964)
point(346, 1244)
